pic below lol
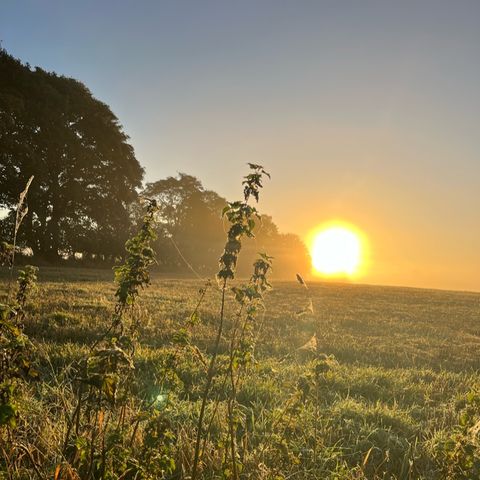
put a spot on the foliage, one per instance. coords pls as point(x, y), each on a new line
point(84, 201)
point(459, 454)
point(6, 253)
point(15, 347)
point(242, 345)
point(189, 220)
point(404, 367)
point(122, 383)
point(85, 171)
point(193, 231)
point(134, 273)
point(26, 283)
point(241, 217)
point(107, 370)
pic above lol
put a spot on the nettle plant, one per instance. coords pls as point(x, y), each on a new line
point(16, 349)
point(106, 377)
point(249, 298)
point(242, 218)
point(115, 351)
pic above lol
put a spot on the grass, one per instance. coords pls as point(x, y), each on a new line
point(402, 361)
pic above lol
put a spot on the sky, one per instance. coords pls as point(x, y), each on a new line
point(363, 111)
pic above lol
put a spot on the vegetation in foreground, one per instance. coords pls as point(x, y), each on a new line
point(326, 381)
point(401, 366)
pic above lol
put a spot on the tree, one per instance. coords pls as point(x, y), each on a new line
point(86, 173)
point(191, 220)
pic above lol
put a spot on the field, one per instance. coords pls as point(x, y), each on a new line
point(399, 365)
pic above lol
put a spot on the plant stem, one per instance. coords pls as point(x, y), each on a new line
point(233, 396)
point(210, 374)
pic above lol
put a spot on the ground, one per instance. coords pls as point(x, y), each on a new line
point(400, 364)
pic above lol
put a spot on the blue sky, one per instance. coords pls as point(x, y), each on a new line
point(365, 111)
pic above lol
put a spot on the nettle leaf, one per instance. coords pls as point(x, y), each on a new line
point(194, 318)
point(8, 413)
point(6, 311)
point(81, 445)
point(109, 386)
point(182, 337)
point(225, 209)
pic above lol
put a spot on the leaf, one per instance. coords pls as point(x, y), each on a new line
point(109, 386)
point(194, 318)
point(225, 209)
point(181, 337)
point(7, 414)
point(367, 456)
point(57, 472)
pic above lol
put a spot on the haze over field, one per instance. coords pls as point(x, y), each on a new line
point(365, 112)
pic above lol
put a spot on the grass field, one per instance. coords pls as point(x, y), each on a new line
point(401, 362)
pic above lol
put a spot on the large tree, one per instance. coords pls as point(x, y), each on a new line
point(193, 231)
point(86, 173)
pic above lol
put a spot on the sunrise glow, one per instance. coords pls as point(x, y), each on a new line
point(337, 250)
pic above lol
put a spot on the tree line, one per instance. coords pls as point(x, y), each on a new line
point(86, 197)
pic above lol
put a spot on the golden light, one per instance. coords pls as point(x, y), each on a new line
point(337, 250)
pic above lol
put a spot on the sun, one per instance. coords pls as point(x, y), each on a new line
point(337, 251)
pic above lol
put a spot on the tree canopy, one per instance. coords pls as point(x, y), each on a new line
point(84, 197)
point(193, 231)
point(86, 173)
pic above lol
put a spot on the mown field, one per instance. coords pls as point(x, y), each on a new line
point(400, 365)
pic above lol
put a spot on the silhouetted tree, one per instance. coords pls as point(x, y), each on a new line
point(86, 179)
point(86, 173)
point(191, 220)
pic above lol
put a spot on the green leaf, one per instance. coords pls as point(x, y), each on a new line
point(8, 414)
point(194, 318)
point(109, 386)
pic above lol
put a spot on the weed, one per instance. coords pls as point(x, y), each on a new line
point(241, 216)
